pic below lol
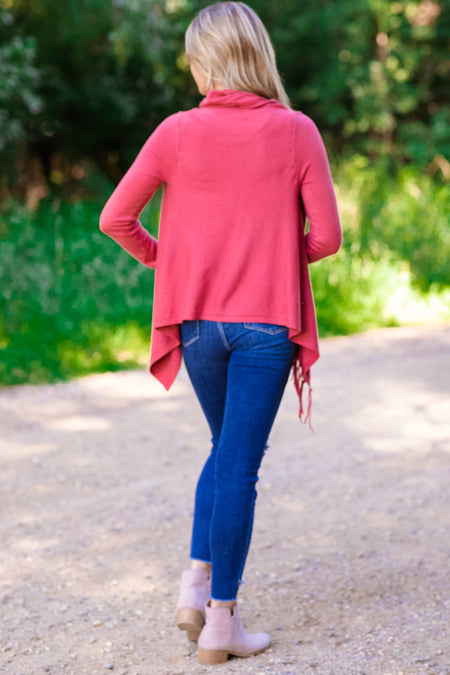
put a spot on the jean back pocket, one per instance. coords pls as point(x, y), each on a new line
point(269, 328)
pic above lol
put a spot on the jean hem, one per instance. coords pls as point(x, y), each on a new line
point(220, 600)
point(208, 562)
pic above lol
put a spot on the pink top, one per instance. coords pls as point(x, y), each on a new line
point(240, 173)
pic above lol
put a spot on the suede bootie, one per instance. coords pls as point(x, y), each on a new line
point(224, 634)
point(194, 593)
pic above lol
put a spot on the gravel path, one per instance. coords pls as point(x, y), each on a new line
point(349, 567)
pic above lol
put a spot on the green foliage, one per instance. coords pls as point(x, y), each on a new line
point(83, 83)
point(402, 214)
point(350, 294)
point(417, 227)
point(71, 302)
point(372, 73)
point(20, 101)
point(109, 75)
point(19, 80)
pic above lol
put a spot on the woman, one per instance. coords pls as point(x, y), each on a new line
point(240, 175)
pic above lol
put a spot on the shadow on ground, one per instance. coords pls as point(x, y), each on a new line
point(349, 567)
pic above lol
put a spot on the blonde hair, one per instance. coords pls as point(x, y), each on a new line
point(230, 46)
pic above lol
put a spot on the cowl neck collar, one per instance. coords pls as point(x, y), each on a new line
point(231, 98)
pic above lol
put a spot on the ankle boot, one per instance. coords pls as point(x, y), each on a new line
point(224, 634)
point(194, 593)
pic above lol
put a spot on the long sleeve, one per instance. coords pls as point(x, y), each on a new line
point(317, 192)
point(120, 216)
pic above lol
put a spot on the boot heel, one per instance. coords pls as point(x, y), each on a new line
point(192, 621)
point(211, 657)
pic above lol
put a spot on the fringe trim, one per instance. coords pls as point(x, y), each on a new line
point(300, 379)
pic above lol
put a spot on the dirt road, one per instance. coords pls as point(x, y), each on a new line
point(350, 564)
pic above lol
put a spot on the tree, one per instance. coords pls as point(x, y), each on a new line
point(92, 78)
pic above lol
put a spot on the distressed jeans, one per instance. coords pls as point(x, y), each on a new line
point(239, 372)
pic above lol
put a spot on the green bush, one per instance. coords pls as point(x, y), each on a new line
point(71, 302)
point(399, 214)
point(19, 82)
point(416, 227)
point(350, 293)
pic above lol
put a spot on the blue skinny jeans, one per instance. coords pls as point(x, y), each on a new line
point(239, 372)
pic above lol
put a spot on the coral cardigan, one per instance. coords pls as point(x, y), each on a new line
point(240, 174)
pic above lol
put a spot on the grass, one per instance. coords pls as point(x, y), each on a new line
point(353, 294)
point(72, 302)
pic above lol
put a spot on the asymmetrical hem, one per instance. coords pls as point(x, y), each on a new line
point(241, 174)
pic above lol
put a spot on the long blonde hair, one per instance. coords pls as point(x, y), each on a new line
point(229, 44)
